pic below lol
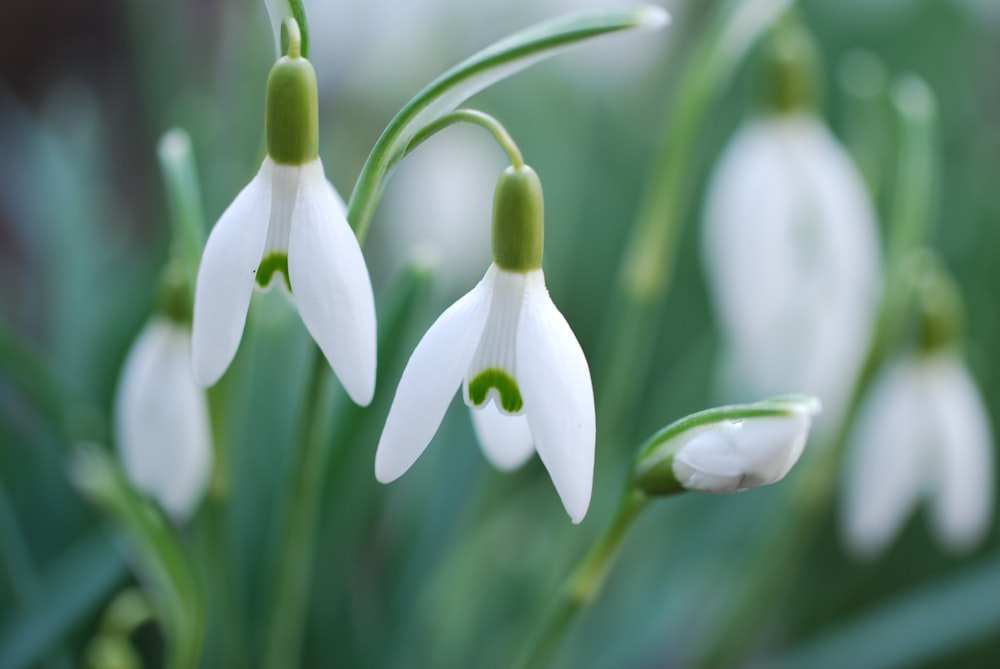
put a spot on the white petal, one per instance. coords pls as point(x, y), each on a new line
point(506, 439)
point(330, 284)
point(429, 382)
point(161, 420)
point(738, 455)
point(963, 504)
point(887, 464)
point(226, 278)
point(558, 396)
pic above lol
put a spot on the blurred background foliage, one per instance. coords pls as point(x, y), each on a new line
point(453, 564)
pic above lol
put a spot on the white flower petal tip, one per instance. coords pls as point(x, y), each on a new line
point(330, 285)
point(652, 17)
point(728, 449)
point(505, 439)
point(226, 278)
point(288, 226)
point(428, 384)
point(514, 349)
point(923, 433)
point(161, 420)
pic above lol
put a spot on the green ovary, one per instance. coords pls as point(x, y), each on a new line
point(276, 262)
point(510, 394)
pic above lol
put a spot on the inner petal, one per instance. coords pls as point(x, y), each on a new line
point(285, 189)
point(493, 374)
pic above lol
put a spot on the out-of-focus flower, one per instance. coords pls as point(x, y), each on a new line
point(791, 247)
point(526, 379)
point(729, 449)
point(288, 225)
point(923, 433)
point(161, 419)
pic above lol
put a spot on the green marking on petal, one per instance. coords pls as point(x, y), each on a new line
point(510, 394)
point(276, 262)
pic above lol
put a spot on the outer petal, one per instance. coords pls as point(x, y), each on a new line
point(739, 455)
point(161, 420)
point(506, 439)
point(226, 278)
point(330, 284)
point(886, 470)
point(963, 504)
point(429, 381)
point(558, 396)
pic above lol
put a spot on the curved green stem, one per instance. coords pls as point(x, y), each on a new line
point(300, 42)
point(585, 582)
point(475, 117)
point(485, 68)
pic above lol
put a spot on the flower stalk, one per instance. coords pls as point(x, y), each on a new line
point(586, 580)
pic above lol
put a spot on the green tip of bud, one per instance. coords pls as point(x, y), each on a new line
point(175, 296)
point(292, 106)
point(518, 220)
point(940, 310)
point(789, 69)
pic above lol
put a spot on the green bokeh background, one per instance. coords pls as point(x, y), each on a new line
point(453, 564)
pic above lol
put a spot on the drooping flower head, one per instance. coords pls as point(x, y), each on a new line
point(522, 372)
point(161, 423)
point(791, 247)
point(288, 227)
point(923, 434)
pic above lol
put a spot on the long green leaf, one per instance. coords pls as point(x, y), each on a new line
point(925, 624)
point(158, 556)
point(494, 63)
point(71, 589)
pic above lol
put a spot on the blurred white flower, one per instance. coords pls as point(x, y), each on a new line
point(161, 419)
point(923, 433)
point(730, 449)
point(288, 225)
point(792, 255)
point(526, 382)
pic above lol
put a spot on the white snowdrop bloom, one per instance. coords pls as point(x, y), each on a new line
point(791, 251)
point(521, 370)
point(288, 226)
point(728, 449)
point(161, 419)
point(923, 433)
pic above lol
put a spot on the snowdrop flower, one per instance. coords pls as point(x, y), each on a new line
point(161, 419)
point(923, 434)
point(728, 449)
point(289, 227)
point(791, 253)
point(522, 371)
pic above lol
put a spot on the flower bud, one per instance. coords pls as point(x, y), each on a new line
point(518, 220)
point(292, 106)
point(789, 74)
point(727, 449)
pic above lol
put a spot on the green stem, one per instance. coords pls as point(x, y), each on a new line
point(296, 548)
point(648, 265)
point(475, 117)
point(180, 181)
point(585, 582)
